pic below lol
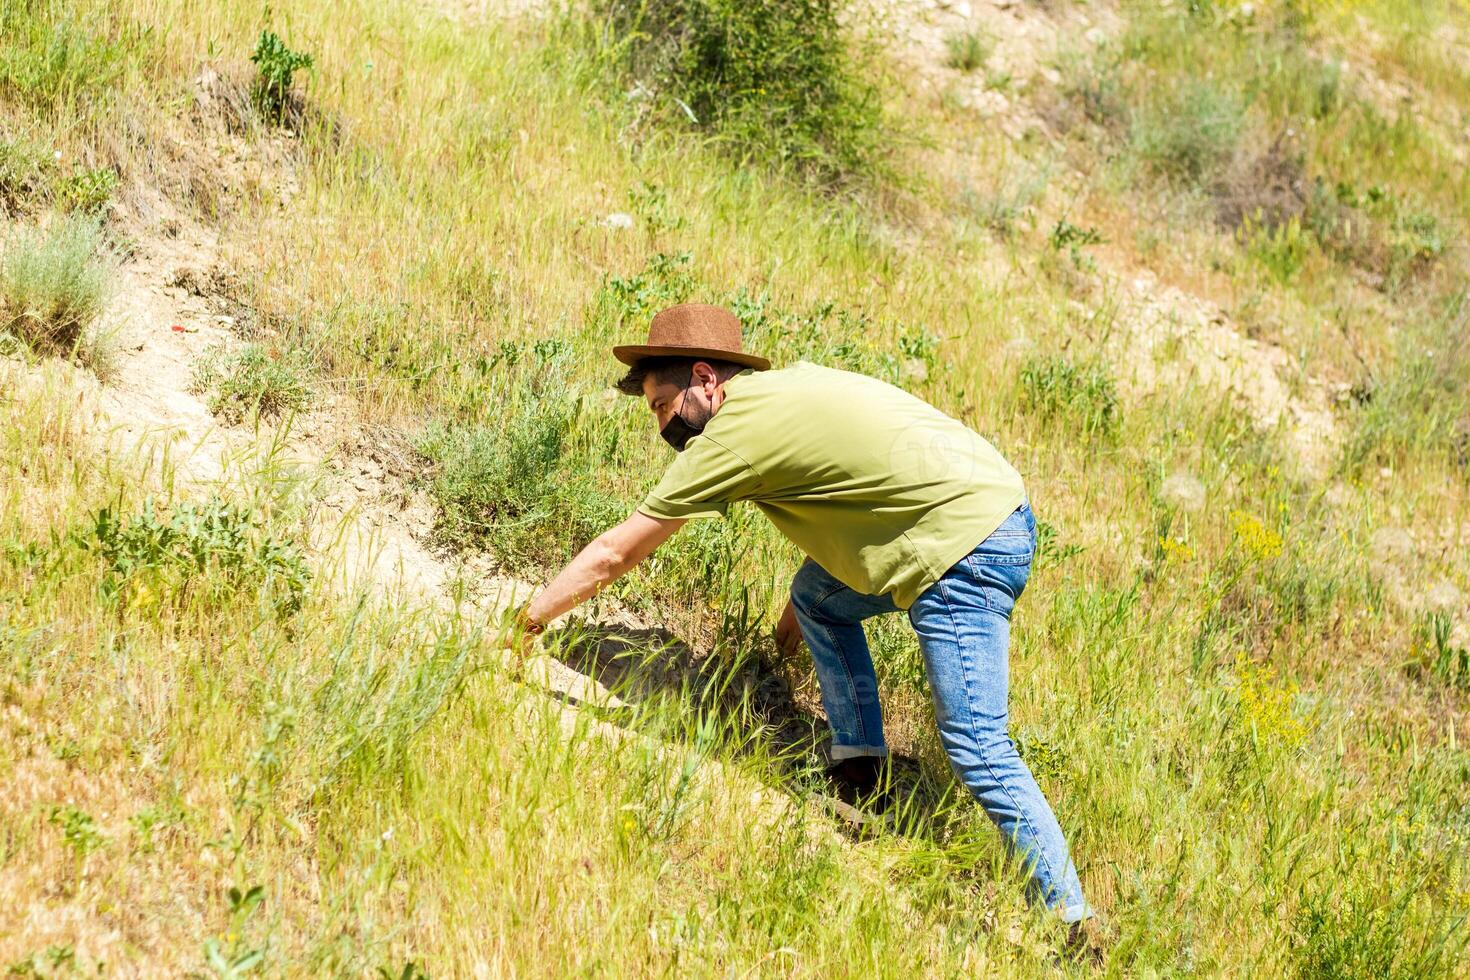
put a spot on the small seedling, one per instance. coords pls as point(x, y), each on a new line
point(1065, 235)
point(233, 958)
point(967, 50)
point(277, 64)
point(78, 829)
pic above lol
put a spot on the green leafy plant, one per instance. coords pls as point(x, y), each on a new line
point(1050, 551)
point(234, 957)
point(87, 191)
point(253, 379)
point(1065, 235)
point(1281, 249)
point(215, 548)
point(666, 279)
point(78, 830)
point(276, 65)
point(650, 203)
point(45, 963)
point(54, 283)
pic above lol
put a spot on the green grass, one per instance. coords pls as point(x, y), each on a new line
point(55, 60)
point(1084, 395)
point(1256, 749)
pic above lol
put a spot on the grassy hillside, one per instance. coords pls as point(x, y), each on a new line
point(1198, 269)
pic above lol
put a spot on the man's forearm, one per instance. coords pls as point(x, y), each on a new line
point(609, 557)
point(596, 566)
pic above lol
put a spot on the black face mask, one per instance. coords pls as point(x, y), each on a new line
point(678, 432)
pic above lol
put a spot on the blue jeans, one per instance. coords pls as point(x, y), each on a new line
point(964, 627)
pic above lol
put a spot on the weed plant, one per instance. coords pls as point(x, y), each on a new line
point(255, 379)
point(276, 66)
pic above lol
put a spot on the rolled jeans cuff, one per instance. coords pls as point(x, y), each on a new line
point(840, 752)
point(1075, 913)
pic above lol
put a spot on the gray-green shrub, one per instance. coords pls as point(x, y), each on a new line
point(515, 486)
point(23, 171)
point(1191, 133)
point(54, 284)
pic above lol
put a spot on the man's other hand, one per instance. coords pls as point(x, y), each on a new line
point(788, 633)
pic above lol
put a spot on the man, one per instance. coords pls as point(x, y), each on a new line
point(898, 508)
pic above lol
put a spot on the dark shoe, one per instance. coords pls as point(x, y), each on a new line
point(1089, 940)
point(861, 781)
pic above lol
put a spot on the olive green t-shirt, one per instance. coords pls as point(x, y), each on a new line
point(882, 490)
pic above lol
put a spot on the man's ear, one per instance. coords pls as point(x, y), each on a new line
point(705, 374)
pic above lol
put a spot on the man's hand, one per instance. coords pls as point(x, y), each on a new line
point(788, 632)
point(522, 633)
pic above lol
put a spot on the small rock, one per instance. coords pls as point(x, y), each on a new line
point(915, 370)
point(1184, 491)
point(619, 220)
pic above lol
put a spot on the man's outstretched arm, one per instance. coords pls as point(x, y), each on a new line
point(610, 556)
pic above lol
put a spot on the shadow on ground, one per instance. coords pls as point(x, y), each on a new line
point(651, 669)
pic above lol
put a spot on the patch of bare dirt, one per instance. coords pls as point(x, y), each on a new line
point(1165, 340)
point(1021, 41)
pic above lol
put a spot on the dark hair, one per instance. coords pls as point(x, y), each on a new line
point(671, 370)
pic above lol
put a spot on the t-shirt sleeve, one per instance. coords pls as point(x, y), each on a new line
point(703, 481)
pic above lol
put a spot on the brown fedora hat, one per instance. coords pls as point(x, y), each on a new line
point(692, 330)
